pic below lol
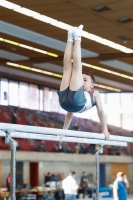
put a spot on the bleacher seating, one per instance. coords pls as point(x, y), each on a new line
point(54, 120)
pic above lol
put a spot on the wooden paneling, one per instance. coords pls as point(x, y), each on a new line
point(119, 5)
point(120, 167)
point(74, 12)
point(86, 3)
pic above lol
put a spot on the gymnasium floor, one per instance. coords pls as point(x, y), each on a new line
point(129, 198)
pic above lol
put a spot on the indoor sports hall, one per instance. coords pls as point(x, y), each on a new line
point(66, 99)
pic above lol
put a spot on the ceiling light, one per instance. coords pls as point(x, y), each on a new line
point(124, 38)
point(106, 42)
point(27, 12)
point(107, 71)
point(12, 64)
point(52, 54)
point(36, 70)
point(101, 8)
point(55, 75)
point(107, 87)
point(45, 72)
point(62, 25)
point(40, 51)
point(28, 47)
point(25, 46)
point(32, 69)
point(125, 20)
point(25, 67)
point(55, 55)
point(48, 19)
point(11, 42)
point(8, 4)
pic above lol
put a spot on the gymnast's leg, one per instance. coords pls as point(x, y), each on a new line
point(76, 81)
point(67, 71)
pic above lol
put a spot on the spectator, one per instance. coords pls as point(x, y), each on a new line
point(14, 115)
point(70, 187)
point(60, 146)
point(84, 184)
point(76, 128)
point(41, 147)
point(119, 187)
point(8, 182)
point(117, 152)
point(109, 149)
point(80, 148)
point(47, 177)
point(24, 191)
point(57, 147)
point(125, 181)
point(30, 123)
point(83, 149)
point(92, 148)
point(66, 148)
point(77, 148)
point(59, 194)
point(26, 186)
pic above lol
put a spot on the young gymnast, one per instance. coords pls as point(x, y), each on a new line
point(76, 93)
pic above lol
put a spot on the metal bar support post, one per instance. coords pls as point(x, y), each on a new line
point(100, 151)
point(10, 141)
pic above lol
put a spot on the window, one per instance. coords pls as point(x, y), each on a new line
point(13, 93)
point(127, 103)
point(4, 92)
point(113, 103)
point(24, 95)
point(118, 107)
point(127, 121)
point(113, 109)
point(127, 110)
point(47, 97)
point(54, 102)
point(41, 100)
point(33, 97)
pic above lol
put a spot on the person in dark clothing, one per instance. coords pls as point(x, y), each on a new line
point(91, 149)
point(84, 184)
point(47, 177)
point(59, 194)
point(32, 141)
point(14, 115)
point(29, 122)
point(41, 147)
point(57, 147)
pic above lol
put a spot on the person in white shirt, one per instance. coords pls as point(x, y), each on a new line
point(120, 187)
point(70, 186)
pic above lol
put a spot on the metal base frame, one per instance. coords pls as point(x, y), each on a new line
point(9, 140)
point(41, 133)
point(100, 151)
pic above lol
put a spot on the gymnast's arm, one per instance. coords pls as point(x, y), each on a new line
point(68, 119)
point(115, 194)
point(101, 114)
